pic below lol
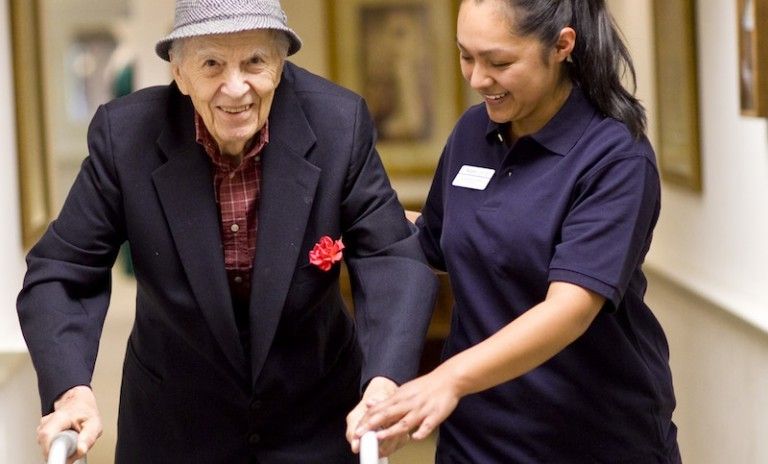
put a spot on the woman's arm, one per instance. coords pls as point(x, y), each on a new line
point(522, 345)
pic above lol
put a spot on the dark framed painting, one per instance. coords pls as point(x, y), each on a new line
point(400, 55)
point(33, 161)
point(677, 87)
point(753, 62)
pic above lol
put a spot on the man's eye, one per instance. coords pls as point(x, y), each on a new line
point(256, 60)
point(209, 63)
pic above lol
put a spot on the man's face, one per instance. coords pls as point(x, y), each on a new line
point(231, 79)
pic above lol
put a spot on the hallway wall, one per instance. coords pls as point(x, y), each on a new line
point(19, 405)
point(708, 257)
point(712, 242)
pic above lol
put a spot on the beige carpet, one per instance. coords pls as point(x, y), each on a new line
point(106, 380)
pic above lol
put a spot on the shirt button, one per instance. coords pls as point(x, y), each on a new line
point(509, 173)
point(238, 280)
point(231, 175)
point(234, 228)
point(254, 439)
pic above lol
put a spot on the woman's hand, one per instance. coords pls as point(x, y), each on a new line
point(419, 406)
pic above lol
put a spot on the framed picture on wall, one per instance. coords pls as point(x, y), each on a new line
point(677, 88)
point(400, 55)
point(34, 186)
point(753, 68)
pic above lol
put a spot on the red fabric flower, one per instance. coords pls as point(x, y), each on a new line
point(326, 253)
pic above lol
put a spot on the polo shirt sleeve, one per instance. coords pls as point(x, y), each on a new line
point(607, 230)
point(430, 223)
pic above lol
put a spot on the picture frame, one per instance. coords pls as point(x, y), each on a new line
point(401, 56)
point(753, 65)
point(677, 89)
point(32, 148)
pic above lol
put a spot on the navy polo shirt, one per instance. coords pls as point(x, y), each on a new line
point(575, 202)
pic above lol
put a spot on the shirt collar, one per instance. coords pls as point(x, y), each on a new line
point(204, 138)
point(565, 128)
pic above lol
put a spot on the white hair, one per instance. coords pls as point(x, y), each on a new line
point(280, 42)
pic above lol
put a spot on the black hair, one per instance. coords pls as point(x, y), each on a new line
point(599, 59)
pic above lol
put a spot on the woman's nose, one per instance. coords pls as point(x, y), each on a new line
point(478, 78)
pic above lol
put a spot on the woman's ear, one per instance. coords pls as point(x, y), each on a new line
point(565, 44)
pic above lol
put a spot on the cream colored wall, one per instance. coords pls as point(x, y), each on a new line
point(712, 245)
point(308, 19)
point(19, 405)
point(720, 371)
point(712, 241)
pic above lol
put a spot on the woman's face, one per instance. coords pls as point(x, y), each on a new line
point(519, 80)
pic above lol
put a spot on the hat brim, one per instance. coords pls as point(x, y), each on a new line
point(227, 26)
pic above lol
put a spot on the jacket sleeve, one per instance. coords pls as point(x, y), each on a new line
point(66, 290)
point(393, 288)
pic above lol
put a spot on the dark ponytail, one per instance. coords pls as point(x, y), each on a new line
point(599, 59)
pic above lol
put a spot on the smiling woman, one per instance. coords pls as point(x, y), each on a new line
point(541, 211)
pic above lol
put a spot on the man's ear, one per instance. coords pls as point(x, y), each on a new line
point(565, 43)
point(179, 77)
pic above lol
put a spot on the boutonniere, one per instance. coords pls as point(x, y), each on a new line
point(326, 253)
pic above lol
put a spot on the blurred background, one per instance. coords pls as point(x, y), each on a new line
point(702, 73)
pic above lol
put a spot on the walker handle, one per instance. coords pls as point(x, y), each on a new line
point(369, 449)
point(63, 445)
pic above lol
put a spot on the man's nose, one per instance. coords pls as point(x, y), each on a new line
point(235, 83)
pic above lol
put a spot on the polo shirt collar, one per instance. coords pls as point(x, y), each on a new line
point(562, 132)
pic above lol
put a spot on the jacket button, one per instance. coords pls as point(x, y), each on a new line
point(255, 405)
point(254, 439)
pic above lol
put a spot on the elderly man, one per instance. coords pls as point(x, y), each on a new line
point(239, 188)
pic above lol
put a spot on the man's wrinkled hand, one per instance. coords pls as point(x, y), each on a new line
point(379, 389)
point(75, 410)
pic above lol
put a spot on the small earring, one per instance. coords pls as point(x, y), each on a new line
point(569, 59)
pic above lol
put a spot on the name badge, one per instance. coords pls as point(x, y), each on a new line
point(473, 177)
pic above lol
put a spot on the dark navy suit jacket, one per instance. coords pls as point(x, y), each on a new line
point(187, 393)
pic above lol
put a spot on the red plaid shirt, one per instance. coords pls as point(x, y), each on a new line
point(238, 191)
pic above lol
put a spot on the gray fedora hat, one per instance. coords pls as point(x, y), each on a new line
point(208, 17)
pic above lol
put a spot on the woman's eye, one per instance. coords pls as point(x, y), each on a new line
point(209, 63)
point(500, 65)
point(255, 60)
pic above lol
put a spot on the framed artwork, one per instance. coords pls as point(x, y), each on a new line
point(34, 185)
point(753, 68)
point(677, 92)
point(400, 55)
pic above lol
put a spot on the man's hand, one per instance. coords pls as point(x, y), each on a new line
point(379, 389)
point(75, 409)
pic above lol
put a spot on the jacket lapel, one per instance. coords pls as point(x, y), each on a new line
point(289, 183)
point(185, 187)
